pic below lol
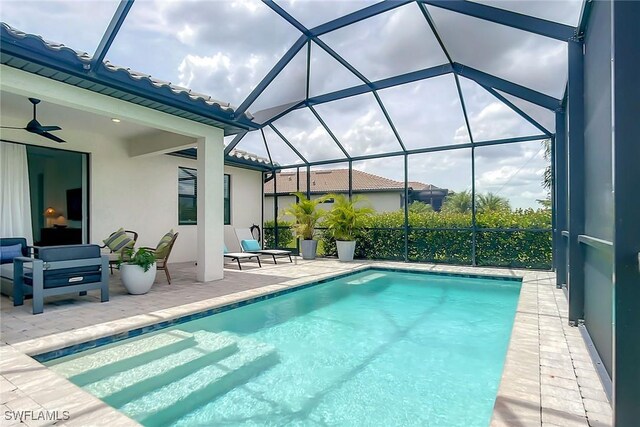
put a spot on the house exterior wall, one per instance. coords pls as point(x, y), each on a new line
point(141, 193)
point(379, 201)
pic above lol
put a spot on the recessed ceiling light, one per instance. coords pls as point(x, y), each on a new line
point(114, 120)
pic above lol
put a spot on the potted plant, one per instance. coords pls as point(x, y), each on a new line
point(306, 215)
point(343, 221)
point(137, 270)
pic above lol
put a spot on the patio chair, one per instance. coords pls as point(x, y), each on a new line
point(117, 242)
point(237, 256)
point(60, 270)
point(250, 245)
point(162, 252)
point(10, 248)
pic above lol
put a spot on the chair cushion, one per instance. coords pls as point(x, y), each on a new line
point(119, 241)
point(250, 245)
point(225, 248)
point(8, 253)
point(68, 276)
point(6, 271)
point(163, 245)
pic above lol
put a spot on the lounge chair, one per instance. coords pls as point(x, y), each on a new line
point(237, 256)
point(162, 252)
point(252, 246)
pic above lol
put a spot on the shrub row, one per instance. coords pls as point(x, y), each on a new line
point(445, 237)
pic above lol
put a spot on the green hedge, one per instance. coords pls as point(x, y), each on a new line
point(286, 238)
point(452, 241)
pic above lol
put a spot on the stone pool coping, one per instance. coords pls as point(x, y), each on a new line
point(535, 373)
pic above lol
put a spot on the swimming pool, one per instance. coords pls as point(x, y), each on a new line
point(374, 348)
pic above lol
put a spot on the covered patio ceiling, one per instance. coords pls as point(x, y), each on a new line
point(320, 82)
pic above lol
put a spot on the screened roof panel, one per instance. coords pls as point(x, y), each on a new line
point(219, 48)
point(491, 119)
point(562, 11)
point(303, 130)
point(427, 113)
point(544, 117)
point(281, 153)
point(514, 172)
point(288, 88)
point(534, 61)
point(253, 143)
point(392, 43)
point(327, 74)
point(312, 13)
point(78, 24)
point(359, 124)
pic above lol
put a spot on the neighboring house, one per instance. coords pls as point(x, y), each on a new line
point(382, 194)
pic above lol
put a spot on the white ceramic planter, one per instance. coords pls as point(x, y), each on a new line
point(135, 279)
point(346, 250)
point(308, 249)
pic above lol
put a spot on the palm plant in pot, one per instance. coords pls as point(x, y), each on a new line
point(306, 215)
point(343, 222)
point(137, 270)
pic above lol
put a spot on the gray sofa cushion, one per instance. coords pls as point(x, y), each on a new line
point(67, 276)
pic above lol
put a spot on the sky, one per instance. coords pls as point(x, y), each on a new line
point(224, 49)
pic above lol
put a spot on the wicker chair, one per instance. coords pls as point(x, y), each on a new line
point(161, 262)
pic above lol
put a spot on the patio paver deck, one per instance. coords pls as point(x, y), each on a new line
point(548, 378)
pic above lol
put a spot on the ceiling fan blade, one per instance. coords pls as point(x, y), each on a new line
point(50, 128)
point(52, 137)
point(11, 127)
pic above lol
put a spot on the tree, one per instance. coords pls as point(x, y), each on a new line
point(547, 179)
point(420, 207)
point(457, 202)
point(491, 202)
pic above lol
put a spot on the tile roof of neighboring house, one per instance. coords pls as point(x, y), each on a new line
point(139, 80)
point(337, 181)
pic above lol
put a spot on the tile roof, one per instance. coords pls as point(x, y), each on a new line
point(67, 53)
point(337, 181)
point(245, 155)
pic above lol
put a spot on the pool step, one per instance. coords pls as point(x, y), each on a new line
point(171, 402)
point(100, 363)
point(127, 385)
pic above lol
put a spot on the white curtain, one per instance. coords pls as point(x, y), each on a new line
point(15, 201)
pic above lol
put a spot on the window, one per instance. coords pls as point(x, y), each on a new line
point(227, 199)
point(187, 197)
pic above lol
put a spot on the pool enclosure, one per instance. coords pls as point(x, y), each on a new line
point(524, 114)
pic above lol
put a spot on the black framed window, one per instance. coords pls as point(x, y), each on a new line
point(227, 199)
point(188, 201)
point(187, 196)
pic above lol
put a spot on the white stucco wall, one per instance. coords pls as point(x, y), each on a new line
point(132, 183)
point(380, 202)
point(141, 193)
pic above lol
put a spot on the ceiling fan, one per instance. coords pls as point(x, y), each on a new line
point(34, 126)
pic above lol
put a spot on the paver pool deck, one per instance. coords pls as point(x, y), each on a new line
point(549, 378)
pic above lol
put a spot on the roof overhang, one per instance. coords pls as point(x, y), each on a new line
point(32, 54)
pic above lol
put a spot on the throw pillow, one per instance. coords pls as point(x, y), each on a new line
point(250, 245)
point(8, 253)
point(163, 245)
point(118, 241)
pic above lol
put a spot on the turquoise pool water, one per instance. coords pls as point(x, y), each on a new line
point(376, 348)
